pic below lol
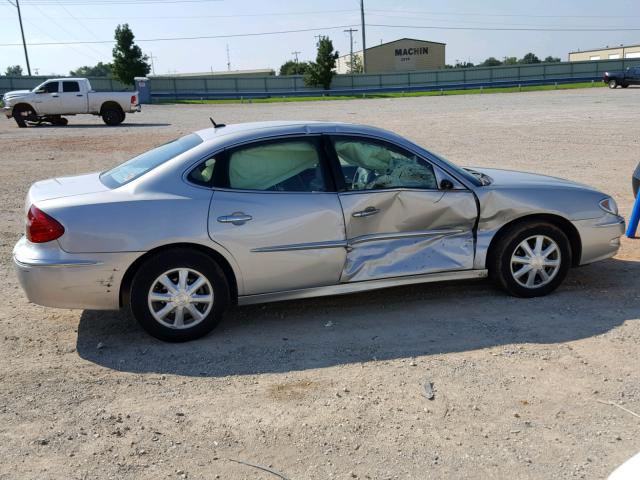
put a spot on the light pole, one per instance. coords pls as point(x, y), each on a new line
point(364, 42)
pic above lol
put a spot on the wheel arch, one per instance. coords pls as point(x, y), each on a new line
point(110, 104)
point(23, 104)
point(125, 285)
point(561, 222)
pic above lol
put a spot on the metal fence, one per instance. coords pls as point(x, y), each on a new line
point(174, 88)
point(99, 84)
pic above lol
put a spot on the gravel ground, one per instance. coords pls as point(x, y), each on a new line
point(334, 387)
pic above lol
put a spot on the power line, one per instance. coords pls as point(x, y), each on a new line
point(199, 37)
point(454, 14)
point(509, 29)
point(174, 17)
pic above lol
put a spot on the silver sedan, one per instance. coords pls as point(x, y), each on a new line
point(260, 212)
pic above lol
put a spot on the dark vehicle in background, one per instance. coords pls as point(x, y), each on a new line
point(636, 180)
point(630, 76)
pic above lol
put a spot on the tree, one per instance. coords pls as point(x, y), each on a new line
point(99, 70)
point(294, 68)
point(551, 59)
point(491, 62)
point(529, 58)
point(14, 71)
point(128, 59)
point(321, 71)
point(510, 61)
point(355, 64)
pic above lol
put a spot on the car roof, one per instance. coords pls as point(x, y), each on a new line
point(250, 130)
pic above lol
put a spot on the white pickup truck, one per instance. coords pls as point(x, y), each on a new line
point(58, 97)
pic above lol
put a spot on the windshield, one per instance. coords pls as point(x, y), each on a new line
point(138, 166)
point(464, 173)
point(39, 86)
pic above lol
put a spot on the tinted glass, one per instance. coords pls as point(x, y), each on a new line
point(70, 87)
point(370, 165)
point(137, 166)
point(283, 166)
point(51, 87)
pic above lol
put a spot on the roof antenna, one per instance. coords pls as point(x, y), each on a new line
point(216, 125)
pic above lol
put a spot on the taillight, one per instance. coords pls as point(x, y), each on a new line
point(133, 99)
point(41, 227)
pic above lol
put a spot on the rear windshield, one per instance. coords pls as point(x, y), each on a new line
point(138, 166)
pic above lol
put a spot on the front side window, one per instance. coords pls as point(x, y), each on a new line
point(282, 166)
point(371, 165)
point(51, 87)
point(70, 87)
point(138, 166)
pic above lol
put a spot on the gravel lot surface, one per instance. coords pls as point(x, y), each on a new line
point(334, 387)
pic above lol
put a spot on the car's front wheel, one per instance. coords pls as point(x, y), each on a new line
point(613, 83)
point(530, 260)
point(179, 295)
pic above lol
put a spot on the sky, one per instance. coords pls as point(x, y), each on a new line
point(59, 21)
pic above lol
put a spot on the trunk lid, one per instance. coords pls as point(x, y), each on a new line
point(65, 187)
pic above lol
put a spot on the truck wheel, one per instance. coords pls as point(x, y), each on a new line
point(112, 116)
point(22, 114)
point(123, 115)
point(59, 121)
point(179, 295)
point(613, 83)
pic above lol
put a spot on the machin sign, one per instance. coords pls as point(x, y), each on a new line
point(405, 58)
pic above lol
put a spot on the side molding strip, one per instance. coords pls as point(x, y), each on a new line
point(345, 288)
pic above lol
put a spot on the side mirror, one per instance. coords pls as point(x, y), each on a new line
point(446, 184)
point(41, 90)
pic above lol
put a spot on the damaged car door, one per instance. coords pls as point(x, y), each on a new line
point(403, 215)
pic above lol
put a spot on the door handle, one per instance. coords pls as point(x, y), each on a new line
point(236, 218)
point(367, 212)
point(78, 95)
point(54, 95)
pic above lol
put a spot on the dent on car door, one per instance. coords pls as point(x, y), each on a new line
point(398, 221)
point(275, 212)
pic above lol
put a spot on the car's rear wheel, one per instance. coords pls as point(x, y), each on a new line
point(530, 260)
point(112, 116)
point(613, 83)
point(179, 295)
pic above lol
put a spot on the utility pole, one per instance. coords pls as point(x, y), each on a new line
point(24, 43)
point(153, 65)
point(228, 59)
point(351, 31)
point(295, 54)
point(318, 38)
point(364, 42)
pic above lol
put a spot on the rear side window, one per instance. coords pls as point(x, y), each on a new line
point(138, 166)
point(280, 166)
point(70, 87)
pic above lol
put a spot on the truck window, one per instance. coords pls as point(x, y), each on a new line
point(70, 87)
point(51, 87)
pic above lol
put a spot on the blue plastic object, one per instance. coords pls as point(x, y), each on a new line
point(634, 219)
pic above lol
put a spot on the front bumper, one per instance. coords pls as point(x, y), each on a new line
point(600, 237)
point(54, 278)
point(8, 111)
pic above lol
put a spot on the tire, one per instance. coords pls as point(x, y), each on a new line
point(161, 318)
point(123, 116)
point(112, 116)
point(613, 83)
point(508, 258)
point(59, 121)
point(22, 114)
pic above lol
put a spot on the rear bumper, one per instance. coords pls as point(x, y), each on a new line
point(54, 278)
point(600, 237)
